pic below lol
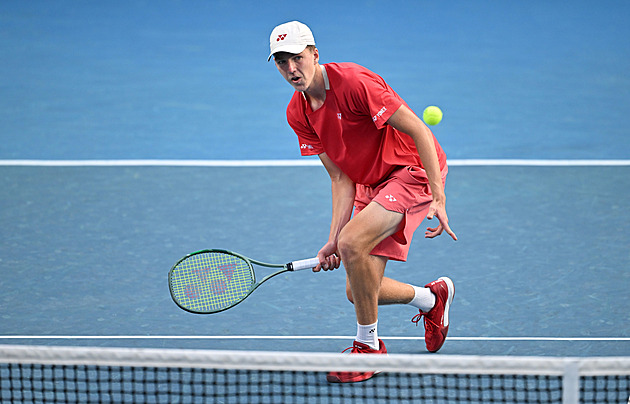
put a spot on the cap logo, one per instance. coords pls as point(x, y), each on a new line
point(281, 37)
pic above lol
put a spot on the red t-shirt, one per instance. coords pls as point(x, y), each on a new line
point(351, 127)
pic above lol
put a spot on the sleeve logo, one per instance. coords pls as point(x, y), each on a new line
point(379, 114)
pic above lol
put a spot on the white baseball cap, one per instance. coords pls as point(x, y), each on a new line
point(292, 37)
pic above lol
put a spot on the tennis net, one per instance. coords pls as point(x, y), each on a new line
point(34, 374)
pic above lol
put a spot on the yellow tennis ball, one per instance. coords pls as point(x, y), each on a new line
point(432, 115)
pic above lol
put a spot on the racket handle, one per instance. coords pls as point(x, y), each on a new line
point(303, 264)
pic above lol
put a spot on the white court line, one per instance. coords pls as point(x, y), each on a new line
point(161, 163)
point(293, 163)
point(307, 337)
point(541, 163)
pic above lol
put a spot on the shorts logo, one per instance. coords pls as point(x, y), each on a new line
point(306, 146)
point(339, 115)
point(281, 37)
point(379, 114)
point(390, 198)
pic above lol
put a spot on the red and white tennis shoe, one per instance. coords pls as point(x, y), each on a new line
point(351, 377)
point(436, 321)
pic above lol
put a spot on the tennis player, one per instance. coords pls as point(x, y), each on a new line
point(385, 164)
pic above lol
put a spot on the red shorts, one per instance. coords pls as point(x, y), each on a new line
point(407, 191)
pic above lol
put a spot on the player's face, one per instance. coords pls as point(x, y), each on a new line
point(299, 70)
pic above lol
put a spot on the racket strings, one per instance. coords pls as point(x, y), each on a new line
point(211, 281)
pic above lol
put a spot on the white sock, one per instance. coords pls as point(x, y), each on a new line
point(368, 335)
point(423, 300)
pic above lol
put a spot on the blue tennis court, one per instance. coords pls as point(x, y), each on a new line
point(535, 97)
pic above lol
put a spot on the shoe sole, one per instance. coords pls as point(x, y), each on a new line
point(451, 293)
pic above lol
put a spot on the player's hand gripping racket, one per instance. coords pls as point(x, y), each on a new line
point(210, 281)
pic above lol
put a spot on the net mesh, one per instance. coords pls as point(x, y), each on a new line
point(35, 374)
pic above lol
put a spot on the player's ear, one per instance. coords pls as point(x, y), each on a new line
point(315, 55)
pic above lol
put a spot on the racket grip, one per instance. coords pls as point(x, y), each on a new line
point(303, 264)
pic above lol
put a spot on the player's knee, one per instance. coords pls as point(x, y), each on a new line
point(348, 247)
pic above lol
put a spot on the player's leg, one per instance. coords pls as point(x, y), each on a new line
point(390, 292)
point(365, 273)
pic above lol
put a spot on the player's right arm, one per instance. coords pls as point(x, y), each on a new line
point(343, 192)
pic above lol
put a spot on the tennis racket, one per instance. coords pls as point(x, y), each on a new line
point(210, 281)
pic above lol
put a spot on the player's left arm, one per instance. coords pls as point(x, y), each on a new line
point(404, 120)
